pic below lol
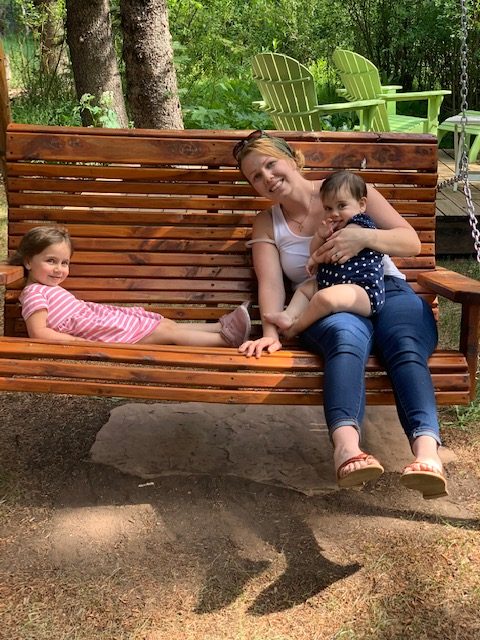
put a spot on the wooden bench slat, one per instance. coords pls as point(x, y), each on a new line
point(192, 379)
point(195, 356)
point(181, 394)
point(199, 259)
point(90, 188)
point(148, 151)
point(424, 225)
point(186, 175)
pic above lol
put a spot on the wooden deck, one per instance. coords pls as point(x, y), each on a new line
point(453, 228)
point(450, 202)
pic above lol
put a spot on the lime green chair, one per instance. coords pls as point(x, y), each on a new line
point(361, 81)
point(472, 130)
point(290, 99)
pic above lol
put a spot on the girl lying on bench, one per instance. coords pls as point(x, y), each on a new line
point(53, 313)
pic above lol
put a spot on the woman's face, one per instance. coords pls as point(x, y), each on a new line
point(271, 177)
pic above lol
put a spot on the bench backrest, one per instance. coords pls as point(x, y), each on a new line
point(160, 218)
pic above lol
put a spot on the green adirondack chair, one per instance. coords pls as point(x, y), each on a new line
point(289, 96)
point(361, 81)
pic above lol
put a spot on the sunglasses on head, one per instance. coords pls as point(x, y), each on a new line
point(240, 146)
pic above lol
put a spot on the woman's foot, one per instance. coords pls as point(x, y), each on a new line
point(281, 320)
point(427, 477)
point(353, 466)
point(355, 471)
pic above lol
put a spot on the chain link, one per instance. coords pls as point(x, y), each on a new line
point(462, 175)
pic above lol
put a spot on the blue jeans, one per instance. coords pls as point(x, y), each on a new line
point(403, 335)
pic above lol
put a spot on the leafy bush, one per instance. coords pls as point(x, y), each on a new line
point(101, 114)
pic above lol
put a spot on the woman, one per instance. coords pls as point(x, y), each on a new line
point(403, 333)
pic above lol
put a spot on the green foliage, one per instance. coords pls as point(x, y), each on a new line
point(40, 96)
point(101, 114)
point(222, 104)
point(413, 44)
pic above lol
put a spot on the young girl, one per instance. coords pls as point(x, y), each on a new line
point(51, 312)
point(355, 285)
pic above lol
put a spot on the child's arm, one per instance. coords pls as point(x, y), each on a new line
point(324, 231)
point(37, 328)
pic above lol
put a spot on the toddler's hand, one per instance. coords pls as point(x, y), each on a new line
point(311, 267)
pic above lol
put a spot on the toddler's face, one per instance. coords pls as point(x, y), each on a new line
point(342, 206)
point(51, 266)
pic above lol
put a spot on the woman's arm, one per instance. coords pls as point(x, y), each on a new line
point(37, 328)
point(394, 236)
point(271, 289)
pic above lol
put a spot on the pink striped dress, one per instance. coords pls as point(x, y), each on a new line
point(89, 320)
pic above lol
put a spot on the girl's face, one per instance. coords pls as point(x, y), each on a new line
point(271, 177)
point(51, 266)
point(343, 206)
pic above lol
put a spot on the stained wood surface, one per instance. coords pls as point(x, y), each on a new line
point(283, 378)
point(160, 219)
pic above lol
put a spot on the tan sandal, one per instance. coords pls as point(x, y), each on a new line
point(372, 471)
point(431, 482)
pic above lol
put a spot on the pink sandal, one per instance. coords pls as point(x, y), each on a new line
point(236, 326)
point(357, 477)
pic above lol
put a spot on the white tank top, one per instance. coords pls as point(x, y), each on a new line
point(295, 250)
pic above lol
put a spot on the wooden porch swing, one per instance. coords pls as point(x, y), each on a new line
point(159, 218)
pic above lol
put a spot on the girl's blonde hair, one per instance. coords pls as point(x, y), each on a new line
point(37, 240)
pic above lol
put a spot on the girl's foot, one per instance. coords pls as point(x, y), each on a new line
point(281, 320)
point(236, 326)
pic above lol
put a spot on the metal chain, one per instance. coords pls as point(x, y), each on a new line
point(462, 175)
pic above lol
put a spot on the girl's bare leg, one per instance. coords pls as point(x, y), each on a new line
point(171, 332)
point(340, 297)
point(210, 327)
point(298, 304)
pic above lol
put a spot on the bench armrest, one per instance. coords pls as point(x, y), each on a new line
point(10, 273)
point(451, 285)
point(459, 288)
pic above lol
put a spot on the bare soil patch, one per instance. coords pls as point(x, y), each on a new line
point(90, 553)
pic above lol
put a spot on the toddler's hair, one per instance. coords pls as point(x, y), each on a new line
point(37, 240)
point(340, 179)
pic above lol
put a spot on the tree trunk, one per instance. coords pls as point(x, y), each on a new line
point(94, 63)
point(152, 92)
point(5, 114)
point(51, 35)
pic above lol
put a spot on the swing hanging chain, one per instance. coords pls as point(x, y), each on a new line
point(463, 165)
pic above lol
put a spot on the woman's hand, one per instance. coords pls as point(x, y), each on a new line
point(342, 245)
point(256, 347)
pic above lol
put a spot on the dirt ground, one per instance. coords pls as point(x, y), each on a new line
point(89, 552)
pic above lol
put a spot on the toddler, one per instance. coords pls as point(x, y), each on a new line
point(53, 313)
point(356, 285)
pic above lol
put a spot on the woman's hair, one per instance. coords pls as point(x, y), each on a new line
point(37, 240)
point(343, 179)
point(269, 146)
